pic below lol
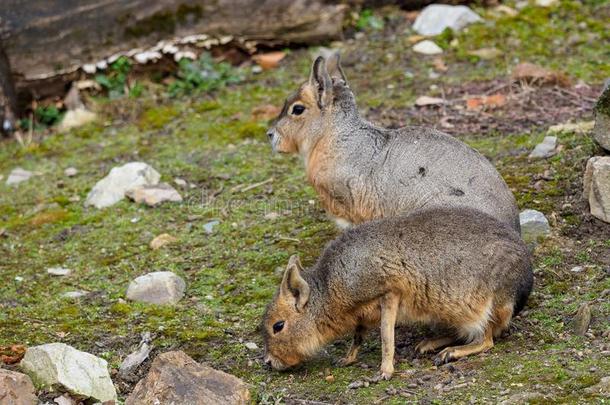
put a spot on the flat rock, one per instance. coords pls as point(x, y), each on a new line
point(162, 240)
point(427, 47)
point(602, 388)
point(546, 148)
point(152, 195)
point(601, 130)
point(161, 287)
point(59, 366)
point(175, 378)
point(58, 271)
point(16, 389)
point(209, 227)
point(596, 186)
point(111, 189)
point(435, 18)
point(18, 175)
point(534, 225)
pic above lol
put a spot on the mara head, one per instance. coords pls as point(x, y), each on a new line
point(288, 327)
point(310, 111)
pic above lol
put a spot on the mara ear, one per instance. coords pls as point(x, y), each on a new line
point(333, 65)
point(294, 285)
point(321, 82)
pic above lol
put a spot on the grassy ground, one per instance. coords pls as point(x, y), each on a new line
point(213, 142)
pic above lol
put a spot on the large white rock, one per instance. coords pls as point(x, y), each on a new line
point(57, 365)
point(112, 188)
point(597, 186)
point(436, 17)
point(161, 287)
point(534, 225)
point(18, 175)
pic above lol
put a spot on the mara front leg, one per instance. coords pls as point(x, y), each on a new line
point(389, 310)
point(352, 353)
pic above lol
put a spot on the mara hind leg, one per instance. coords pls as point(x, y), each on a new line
point(479, 345)
point(352, 353)
point(432, 345)
point(501, 320)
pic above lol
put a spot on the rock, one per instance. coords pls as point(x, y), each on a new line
point(58, 271)
point(601, 130)
point(18, 175)
point(209, 227)
point(582, 319)
point(534, 225)
point(602, 388)
point(577, 269)
point(16, 389)
point(436, 17)
point(180, 182)
point(175, 378)
point(546, 3)
point(161, 287)
point(70, 172)
point(272, 215)
point(251, 346)
point(111, 189)
point(57, 365)
point(546, 148)
point(76, 118)
point(427, 47)
point(596, 183)
point(74, 294)
point(162, 240)
point(426, 100)
point(133, 360)
point(152, 195)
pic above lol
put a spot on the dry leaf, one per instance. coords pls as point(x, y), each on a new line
point(493, 101)
point(427, 100)
point(413, 39)
point(269, 60)
point(439, 64)
point(265, 112)
point(534, 74)
point(162, 240)
point(12, 354)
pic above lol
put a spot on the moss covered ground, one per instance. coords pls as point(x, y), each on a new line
point(214, 143)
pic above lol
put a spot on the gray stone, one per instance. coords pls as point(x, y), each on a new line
point(161, 287)
point(58, 271)
point(601, 389)
point(596, 187)
point(59, 366)
point(601, 130)
point(111, 189)
point(74, 294)
point(18, 175)
point(70, 172)
point(16, 389)
point(175, 378)
point(427, 47)
point(436, 17)
point(251, 346)
point(209, 227)
point(152, 195)
point(534, 225)
point(546, 148)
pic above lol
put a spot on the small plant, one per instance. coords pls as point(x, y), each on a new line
point(47, 116)
point(116, 82)
point(367, 19)
point(203, 74)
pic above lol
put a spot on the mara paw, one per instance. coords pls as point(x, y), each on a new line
point(445, 356)
point(345, 361)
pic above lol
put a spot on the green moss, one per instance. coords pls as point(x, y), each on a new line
point(157, 118)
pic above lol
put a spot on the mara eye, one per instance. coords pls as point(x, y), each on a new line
point(278, 326)
point(298, 109)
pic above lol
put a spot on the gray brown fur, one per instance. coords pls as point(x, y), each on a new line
point(363, 172)
point(457, 268)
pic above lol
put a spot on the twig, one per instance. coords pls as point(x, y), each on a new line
point(252, 186)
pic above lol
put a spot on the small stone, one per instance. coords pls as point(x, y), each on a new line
point(162, 240)
point(18, 175)
point(534, 225)
point(18, 279)
point(162, 287)
point(546, 148)
point(175, 378)
point(272, 216)
point(355, 385)
point(16, 389)
point(209, 227)
point(576, 269)
point(59, 365)
point(546, 3)
point(251, 346)
point(152, 195)
point(426, 100)
point(582, 319)
point(70, 172)
point(147, 56)
point(89, 68)
point(58, 271)
point(427, 47)
point(596, 184)
point(111, 189)
point(435, 18)
point(180, 182)
point(486, 53)
point(74, 294)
